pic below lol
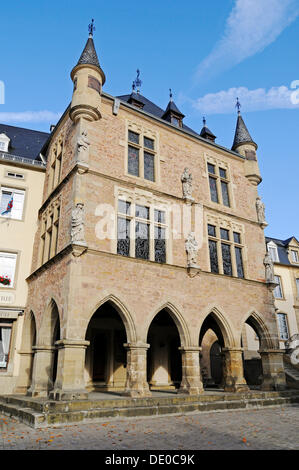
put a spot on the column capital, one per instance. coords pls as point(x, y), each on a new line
point(136, 346)
point(271, 351)
point(234, 349)
point(72, 343)
point(43, 347)
point(190, 348)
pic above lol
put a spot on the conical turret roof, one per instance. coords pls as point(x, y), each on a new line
point(242, 135)
point(89, 55)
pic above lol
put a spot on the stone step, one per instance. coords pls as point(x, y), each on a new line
point(74, 412)
point(292, 371)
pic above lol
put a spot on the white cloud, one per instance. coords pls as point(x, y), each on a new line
point(260, 99)
point(30, 116)
point(251, 26)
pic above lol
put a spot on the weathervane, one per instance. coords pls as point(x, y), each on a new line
point(91, 28)
point(137, 82)
point(238, 105)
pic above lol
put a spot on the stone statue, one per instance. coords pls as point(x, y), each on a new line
point(269, 270)
point(83, 144)
point(77, 226)
point(187, 184)
point(260, 210)
point(191, 247)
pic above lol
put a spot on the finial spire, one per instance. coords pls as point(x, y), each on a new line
point(204, 121)
point(137, 82)
point(91, 28)
point(238, 106)
point(170, 94)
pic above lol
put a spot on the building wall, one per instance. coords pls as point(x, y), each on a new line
point(289, 301)
point(17, 236)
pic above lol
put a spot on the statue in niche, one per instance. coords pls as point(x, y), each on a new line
point(83, 145)
point(260, 210)
point(269, 269)
point(77, 226)
point(191, 247)
point(187, 184)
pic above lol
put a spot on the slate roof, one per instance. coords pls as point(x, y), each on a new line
point(206, 133)
point(172, 107)
point(151, 108)
point(25, 143)
point(282, 246)
point(242, 135)
point(89, 55)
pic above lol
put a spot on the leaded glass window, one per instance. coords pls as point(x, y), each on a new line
point(213, 189)
point(211, 169)
point(219, 184)
point(213, 256)
point(148, 143)
point(142, 212)
point(212, 230)
point(123, 236)
point(224, 234)
point(133, 137)
point(222, 173)
point(133, 161)
point(239, 262)
point(149, 166)
point(141, 231)
point(141, 156)
point(226, 259)
point(124, 207)
point(159, 216)
point(225, 196)
point(142, 240)
point(237, 237)
point(160, 244)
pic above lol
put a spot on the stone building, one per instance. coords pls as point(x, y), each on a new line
point(149, 242)
point(22, 173)
point(285, 257)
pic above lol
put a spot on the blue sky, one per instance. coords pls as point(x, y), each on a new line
point(208, 53)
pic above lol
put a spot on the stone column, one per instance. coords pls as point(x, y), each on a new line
point(24, 375)
point(233, 372)
point(191, 381)
point(42, 371)
point(69, 384)
point(136, 384)
point(273, 369)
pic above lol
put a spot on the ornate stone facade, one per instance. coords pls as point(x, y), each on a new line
point(128, 316)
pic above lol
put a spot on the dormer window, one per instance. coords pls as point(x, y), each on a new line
point(177, 122)
point(272, 250)
point(4, 142)
point(294, 256)
point(173, 114)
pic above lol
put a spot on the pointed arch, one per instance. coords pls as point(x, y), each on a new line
point(259, 325)
point(49, 324)
point(123, 312)
point(221, 324)
point(178, 319)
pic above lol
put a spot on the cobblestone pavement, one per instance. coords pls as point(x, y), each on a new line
point(263, 429)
